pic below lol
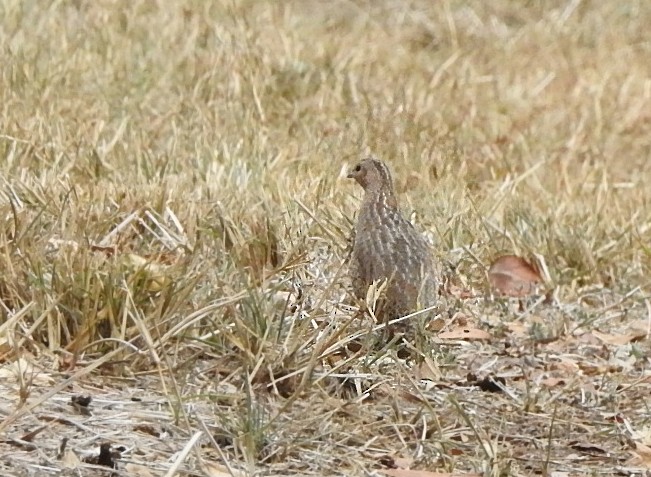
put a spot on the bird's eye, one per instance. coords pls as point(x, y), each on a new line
point(357, 168)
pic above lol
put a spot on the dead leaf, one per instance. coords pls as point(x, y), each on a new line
point(148, 429)
point(461, 319)
point(619, 340)
point(642, 435)
point(422, 473)
point(461, 293)
point(428, 370)
point(513, 276)
point(403, 462)
point(566, 365)
point(67, 362)
point(394, 462)
point(471, 334)
point(591, 369)
point(216, 470)
point(436, 324)
point(640, 325)
point(642, 455)
point(138, 470)
point(70, 460)
point(518, 329)
point(588, 338)
point(408, 396)
point(7, 352)
point(552, 382)
point(109, 251)
point(587, 447)
point(23, 370)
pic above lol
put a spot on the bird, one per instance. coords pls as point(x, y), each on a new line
point(387, 247)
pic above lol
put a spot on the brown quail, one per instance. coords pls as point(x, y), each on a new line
point(388, 247)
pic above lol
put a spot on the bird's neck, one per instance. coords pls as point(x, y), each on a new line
point(381, 197)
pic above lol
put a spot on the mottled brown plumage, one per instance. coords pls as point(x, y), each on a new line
point(387, 246)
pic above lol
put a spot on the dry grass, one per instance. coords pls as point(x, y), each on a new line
point(174, 221)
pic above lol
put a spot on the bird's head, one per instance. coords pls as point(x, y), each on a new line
point(373, 175)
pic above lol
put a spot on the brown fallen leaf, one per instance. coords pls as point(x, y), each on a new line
point(641, 455)
point(587, 447)
point(461, 319)
point(619, 339)
point(217, 470)
point(422, 473)
point(437, 324)
point(518, 329)
point(510, 275)
point(403, 462)
point(460, 292)
point(428, 370)
point(593, 369)
point(409, 397)
point(394, 462)
point(7, 352)
point(471, 334)
point(640, 325)
point(109, 251)
point(24, 369)
point(70, 460)
point(553, 382)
